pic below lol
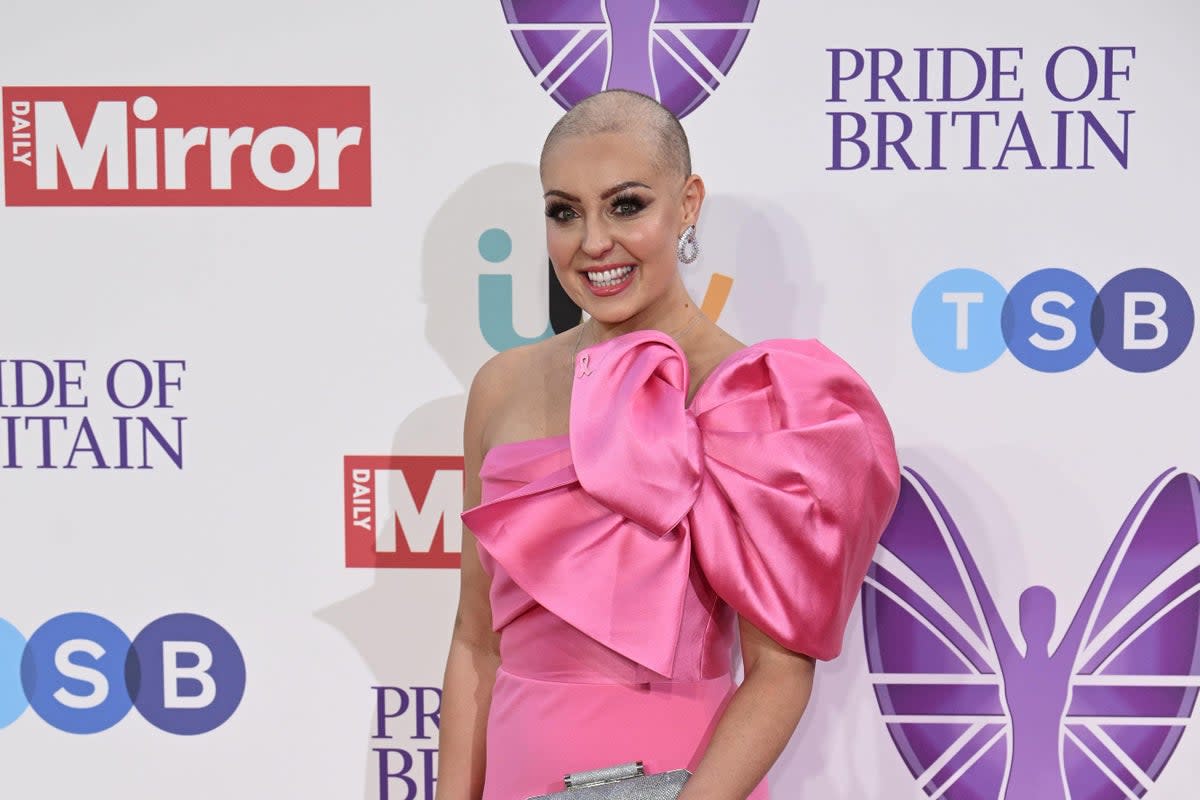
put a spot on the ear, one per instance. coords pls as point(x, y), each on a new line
point(693, 198)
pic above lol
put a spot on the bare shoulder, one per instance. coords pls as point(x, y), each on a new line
point(509, 380)
point(505, 372)
point(491, 389)
point(493, 380)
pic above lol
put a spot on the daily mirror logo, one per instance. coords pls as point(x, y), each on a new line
point(402, 511)
point(187, 146)
point(676, 51)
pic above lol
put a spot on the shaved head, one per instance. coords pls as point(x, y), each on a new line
point(624, 112)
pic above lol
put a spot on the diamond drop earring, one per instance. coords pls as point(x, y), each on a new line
point(688, 249)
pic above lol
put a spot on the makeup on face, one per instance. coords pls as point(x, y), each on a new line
point(622, 201)
point(611, 226)
point(626, 201)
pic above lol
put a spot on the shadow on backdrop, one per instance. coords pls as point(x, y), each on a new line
point(378, 621)
point(765, 250)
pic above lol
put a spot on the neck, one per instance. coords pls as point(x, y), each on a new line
point(670, 314)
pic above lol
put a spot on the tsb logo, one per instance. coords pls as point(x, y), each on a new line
point(187, 146)
point(1053, 319)
point(81, 673)
point(402, 511)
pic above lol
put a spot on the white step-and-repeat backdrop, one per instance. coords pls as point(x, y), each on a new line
point(254, 252)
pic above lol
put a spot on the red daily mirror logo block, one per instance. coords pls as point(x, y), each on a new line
point(403, 511)
point(187, 146)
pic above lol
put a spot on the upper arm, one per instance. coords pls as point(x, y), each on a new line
point(759, 648)
point(473, 620)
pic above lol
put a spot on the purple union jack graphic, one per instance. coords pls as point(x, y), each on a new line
point(676, 51)
point(976, 716)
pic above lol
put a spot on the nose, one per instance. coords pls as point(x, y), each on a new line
point(597, 240)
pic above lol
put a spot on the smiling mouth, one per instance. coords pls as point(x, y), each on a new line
point(609, 277)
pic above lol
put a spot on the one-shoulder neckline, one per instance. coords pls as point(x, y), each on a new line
point(720, 366)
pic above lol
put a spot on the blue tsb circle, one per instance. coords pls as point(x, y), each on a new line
point(1143, 320)
point(186, 674)
point(956, 320)
point(1047, 320)
point(495, 245)
point(12, 696)
point(73, 672)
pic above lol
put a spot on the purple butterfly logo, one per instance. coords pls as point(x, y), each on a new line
point(977, 716)
point(676, 51)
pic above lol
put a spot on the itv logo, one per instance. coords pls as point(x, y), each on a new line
point(496, 292)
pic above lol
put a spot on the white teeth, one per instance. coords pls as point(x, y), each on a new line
point(609, 277)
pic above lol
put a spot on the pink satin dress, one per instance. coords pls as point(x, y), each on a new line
point(621, 553)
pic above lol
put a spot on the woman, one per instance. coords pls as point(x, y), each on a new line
point(641, 486)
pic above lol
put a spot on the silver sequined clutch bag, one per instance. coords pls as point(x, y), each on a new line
point(622, 782)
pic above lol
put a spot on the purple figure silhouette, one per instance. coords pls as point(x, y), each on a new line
point(676, 51)
point(975, 717)
point(629, 65)
point(1036, 688)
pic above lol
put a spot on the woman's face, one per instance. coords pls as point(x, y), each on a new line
point(613, 220)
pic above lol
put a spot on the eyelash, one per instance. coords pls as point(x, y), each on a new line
point(635, 204)
point(631, 200)
point(556, 210)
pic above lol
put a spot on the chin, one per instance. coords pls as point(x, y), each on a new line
point(614, 309)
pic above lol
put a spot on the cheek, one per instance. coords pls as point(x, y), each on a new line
point(652, 241)
point(561, 245)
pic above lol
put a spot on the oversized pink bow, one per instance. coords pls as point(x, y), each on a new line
point(777, 482)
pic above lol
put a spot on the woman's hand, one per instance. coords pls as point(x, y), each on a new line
point(758, 722)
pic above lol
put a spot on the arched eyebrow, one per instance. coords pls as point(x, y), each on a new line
point(620, 187)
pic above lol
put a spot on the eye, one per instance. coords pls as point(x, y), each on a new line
point(560, 212)
point(627, 205)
